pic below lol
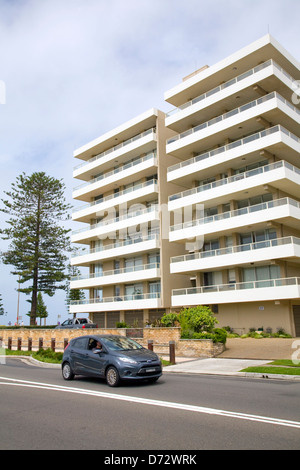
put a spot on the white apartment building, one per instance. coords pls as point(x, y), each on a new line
point(200, 206)
point(124, 243)
point(238, 165)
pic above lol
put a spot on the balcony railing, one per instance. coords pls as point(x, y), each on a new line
point(242, 211)
point(269, 283)
point(118, 244)
point(108, 221)
point(237, 249)
point(116, 195)
point(232, 145)
point(117, 147)
point(118, 298)
point(121, 168)
point(228, 84)
point(113, 272)
point(233, 112)
point(232, 179)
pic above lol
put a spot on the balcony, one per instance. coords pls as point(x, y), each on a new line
point(137, 193)
point(253, 291)
point(268, 75)
point(126, 173)
point(124, 151)
point(109, 304)
point(239, 121)
point(110, 225)
point(281, 175)
point(280, 248)
point(118, 249)
point(277, 138)
point(117, 276)
point(285, 211)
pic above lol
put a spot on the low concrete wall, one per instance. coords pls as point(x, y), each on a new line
point(160, 337)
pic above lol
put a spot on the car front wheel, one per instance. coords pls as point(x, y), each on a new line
point(67, 372)
point(112, 377)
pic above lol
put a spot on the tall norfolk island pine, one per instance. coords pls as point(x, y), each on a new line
point(38, 243)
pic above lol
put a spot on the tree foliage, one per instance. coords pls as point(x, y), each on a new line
point(1, 306)
point(73, 294)
point(38, 242)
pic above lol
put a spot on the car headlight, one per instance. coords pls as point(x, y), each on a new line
point(128, 360)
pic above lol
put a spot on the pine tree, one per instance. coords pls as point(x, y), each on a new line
point(41, 309)
point(1, 306)
point(38, 242)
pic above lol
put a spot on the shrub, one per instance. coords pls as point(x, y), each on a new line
point(169, 320)
point(198, 318)
point(122, 324)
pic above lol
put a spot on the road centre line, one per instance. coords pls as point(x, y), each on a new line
point(146, 401)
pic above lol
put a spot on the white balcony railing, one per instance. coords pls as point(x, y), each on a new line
point(230, 83)
point(119, 298)
point(265, 283)
point(117, 147)
point(118, 244)
point(113, 272)
point(112, 220)
point(276, 242)
point(238, 212)
point(232, 113)
point(120, 169)
point(232, 179)
point(115, 196)
point(232, 145)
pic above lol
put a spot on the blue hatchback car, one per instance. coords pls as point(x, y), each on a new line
point(112, 357)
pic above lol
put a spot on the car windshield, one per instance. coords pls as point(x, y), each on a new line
point(121, 343)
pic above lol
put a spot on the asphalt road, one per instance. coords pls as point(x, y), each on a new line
point(39, 410)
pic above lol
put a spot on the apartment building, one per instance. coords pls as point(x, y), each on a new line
point(125, 251)
point(199, 206)
point(237, 147)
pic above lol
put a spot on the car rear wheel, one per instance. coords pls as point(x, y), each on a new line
point(67, 372)
point(112, 377)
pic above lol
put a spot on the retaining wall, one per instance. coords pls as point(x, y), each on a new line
point(56, 339)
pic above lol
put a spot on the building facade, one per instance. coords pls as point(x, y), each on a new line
point(200, 206)
point(238, 151)
point(125, 246)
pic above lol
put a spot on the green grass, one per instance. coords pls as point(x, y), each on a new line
point(282, 367)
point(43, 355)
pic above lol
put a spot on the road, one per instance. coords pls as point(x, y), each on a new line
point(39, 410)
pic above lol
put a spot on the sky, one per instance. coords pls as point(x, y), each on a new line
point(71, 70)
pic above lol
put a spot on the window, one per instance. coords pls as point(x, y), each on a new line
point(133, 264)
point(80, 343)
point(153, 259)
point(260, 273)
point(154, 289)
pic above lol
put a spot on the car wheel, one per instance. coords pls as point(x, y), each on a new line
point(67, 372)
point(112, 377)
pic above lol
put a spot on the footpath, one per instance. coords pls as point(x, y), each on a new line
point(240, 354)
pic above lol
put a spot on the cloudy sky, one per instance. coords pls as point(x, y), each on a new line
point(74, 69)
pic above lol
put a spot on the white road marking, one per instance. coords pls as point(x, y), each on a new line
point(146, 401)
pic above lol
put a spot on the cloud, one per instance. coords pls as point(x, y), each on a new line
point(74, 69)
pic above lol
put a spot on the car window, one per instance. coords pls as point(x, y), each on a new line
point(121, 343)
point(80, 343)
point(82, 320)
